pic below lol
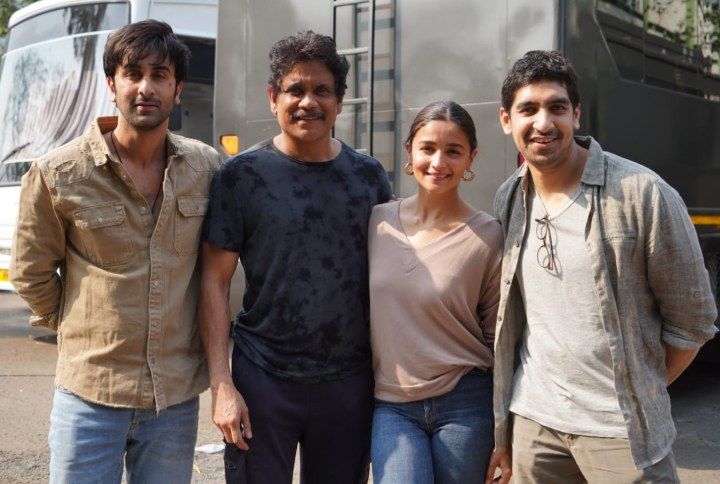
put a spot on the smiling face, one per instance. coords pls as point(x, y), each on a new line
point(542, 122)
point(145, 92)
point(440, 153)
point(306, 105)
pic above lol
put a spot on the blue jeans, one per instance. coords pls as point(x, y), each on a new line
point(88, 442)
point(445, 439)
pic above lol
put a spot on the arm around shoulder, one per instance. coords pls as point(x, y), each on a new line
point(38, 250)
point(490, 296)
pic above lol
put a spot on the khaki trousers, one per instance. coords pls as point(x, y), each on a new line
point(543, 455)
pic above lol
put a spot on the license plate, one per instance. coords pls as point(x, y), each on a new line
point(4, 275)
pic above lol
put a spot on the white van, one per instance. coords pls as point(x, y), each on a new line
point(10, 174)
point(52, 82)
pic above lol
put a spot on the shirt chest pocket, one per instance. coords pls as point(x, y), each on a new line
point(105, 234)
point(624, 255)
point(188, 223)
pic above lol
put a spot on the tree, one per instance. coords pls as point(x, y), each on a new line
point(7, 7)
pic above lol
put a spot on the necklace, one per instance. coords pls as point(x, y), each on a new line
point(157, 193)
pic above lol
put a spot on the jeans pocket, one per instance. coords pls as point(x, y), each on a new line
point(235, 464)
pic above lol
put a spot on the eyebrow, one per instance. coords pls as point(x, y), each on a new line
point(298, 84)
point(451, 145)
point(554, 100)
point(158, 66)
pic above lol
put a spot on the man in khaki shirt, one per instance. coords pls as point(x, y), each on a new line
point(105, 253)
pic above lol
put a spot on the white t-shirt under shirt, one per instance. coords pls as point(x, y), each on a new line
point(565, 380)
point(433, 308)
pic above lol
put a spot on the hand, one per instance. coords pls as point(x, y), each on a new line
point(231, 415)
point(501, 458)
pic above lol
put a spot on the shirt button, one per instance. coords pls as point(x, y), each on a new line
point(517, 243)
point(507, 281)
point(99, 219)
point(499, 318)
point(156, 283)
point(142, 209)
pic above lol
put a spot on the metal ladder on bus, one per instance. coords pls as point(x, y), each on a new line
point(369, 49)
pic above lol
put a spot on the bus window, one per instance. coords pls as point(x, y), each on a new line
point(708, 33)
point(12, 172)
point(673, 44)
point(629, 11)
point(68, 21)
point(622, 23)
point(196, 108)
point(49, 93)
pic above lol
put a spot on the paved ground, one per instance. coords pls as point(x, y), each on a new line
point(27, 365)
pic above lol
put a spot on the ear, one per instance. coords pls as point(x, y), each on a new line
point(408, 148)
point(272, 99)
point(339, 106)
point(178, 91)
point(505, 121)
point(471, 158)
point(576, 117)
point(111, 86)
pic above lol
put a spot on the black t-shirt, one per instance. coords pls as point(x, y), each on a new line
point(301, 232)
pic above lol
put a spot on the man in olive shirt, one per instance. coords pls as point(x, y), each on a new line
point(118, 211)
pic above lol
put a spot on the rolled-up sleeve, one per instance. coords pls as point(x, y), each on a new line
point(38, 250)
point(676, 271)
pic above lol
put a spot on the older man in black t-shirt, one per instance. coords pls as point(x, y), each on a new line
point(295, 209)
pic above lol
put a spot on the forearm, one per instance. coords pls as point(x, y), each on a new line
point(214, 329)
point(677, 360)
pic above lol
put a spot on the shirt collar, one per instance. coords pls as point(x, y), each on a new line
point(594, 171)
point(100, 150)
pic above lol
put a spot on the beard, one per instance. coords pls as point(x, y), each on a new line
point(144, 121)
point(547, 158)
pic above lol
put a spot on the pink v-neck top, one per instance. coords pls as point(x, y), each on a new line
point(432, 308)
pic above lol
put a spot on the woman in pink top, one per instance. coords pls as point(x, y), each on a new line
point(434, 266)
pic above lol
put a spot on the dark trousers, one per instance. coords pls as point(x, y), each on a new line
point(330, 420)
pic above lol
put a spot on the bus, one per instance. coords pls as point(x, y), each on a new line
point(52, 83)
point(649, 79)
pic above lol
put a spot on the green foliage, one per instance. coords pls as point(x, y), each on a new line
point(7, 7)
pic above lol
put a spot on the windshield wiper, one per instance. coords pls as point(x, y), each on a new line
point(14, 151)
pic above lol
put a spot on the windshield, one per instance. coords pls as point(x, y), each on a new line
point(49, 93)
point(12, 172)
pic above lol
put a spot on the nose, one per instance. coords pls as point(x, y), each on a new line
point(543, 121)
point(308, 101)
point(146, 87)
point(437, 159)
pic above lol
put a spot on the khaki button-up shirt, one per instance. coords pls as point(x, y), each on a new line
point(120, 288)
point(650, 281)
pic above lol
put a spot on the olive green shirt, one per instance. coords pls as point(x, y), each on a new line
point(120, 287)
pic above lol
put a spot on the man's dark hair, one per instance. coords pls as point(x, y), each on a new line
point(540, 65)
point(307, 46)
point(134, 42)
point(444, 111)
